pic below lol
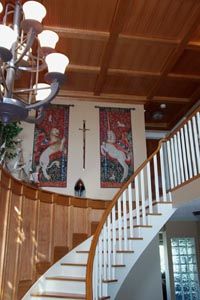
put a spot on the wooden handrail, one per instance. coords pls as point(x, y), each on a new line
point(90, 262)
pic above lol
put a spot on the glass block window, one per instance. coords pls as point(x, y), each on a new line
point(186, 281)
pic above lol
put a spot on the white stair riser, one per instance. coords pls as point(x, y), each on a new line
point(74, 271)
point(77, 258)
point(65, 286)
point(50, 298)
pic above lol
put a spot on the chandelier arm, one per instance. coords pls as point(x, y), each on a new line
point(54, 91)
point(29, 44)
point(35, 120)
point(41, 67)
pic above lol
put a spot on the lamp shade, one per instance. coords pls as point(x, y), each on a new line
point(8, 37)
point(48, 38)
point(34, 10)
point(57, 62)
point(1, 7)
point(41, 94)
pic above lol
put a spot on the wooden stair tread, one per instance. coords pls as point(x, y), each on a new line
point(109, 280)
point(74, 264)
point(59, 295)
point(65, 278)
point(117, 251)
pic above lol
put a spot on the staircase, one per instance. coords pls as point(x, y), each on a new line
point(97, 268)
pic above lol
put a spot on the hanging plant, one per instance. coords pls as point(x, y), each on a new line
point(8, 142)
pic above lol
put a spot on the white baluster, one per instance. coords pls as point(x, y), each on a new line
point(184, 154)
point(137, 201)
point(95, 275)
point(144, 221)
point(170, 165)
point(196, 141)
point(163, 174)
point(109, 235)
point(149, 188)
point(155, 164)
point(192, 148)
point(177, 160)
point(130, 201)
point(125, 220)
point(173, 162)
point(119, 223)
point(188, 150)
point(100, 265)
point(180, 156)
point(113, 240)
point(104, 253)
point(198, 123)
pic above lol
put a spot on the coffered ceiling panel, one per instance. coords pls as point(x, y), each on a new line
point(128, 85)
point(164, 18)
point(189, 63)
point(176, 88)
point(140, 55)
point(82, 52)
point(86, 14)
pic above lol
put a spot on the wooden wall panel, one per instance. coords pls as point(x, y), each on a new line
point(44, 231)
point(28, 242)
point(14, 238)
point(4, 210)
point(36, 228)
point(60, 229)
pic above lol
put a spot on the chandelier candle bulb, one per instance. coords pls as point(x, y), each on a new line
point(8, 36)
point(42, 91)
point(1, 7)
point(34, 10)
point(48, 39)
point(57, 62)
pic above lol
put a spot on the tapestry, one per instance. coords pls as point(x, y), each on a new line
point(51, 147)
point(116, 147)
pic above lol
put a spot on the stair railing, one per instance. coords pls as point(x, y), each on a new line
point(175, 161)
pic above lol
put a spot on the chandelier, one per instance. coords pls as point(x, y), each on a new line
point(26, 47)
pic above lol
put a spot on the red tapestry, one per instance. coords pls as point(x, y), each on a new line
point(116, 148)
point(51, 147)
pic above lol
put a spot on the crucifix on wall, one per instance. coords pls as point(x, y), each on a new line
point(84, 129)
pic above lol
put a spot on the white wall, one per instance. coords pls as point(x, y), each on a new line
point(84, 110)
point(144, 280)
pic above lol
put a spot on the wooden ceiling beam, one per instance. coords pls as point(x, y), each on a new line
point(115, 28)
point(118, 97)
point(177, 52)
point(80, 33)
point(83, 69)
point(104, 36)
point(113, 98)
point(142, 38)
point(171, 99)
point(156, 125)
point(131, 73)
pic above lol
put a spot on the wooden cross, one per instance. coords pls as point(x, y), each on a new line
point(84, 129)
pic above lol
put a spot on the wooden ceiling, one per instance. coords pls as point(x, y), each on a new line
point(131, 51)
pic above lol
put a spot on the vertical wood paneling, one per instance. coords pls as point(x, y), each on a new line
point(4, 212)
point(28, 242)
point(32, 225)
point(44, 251)
point(60, 230)
point(14, 240)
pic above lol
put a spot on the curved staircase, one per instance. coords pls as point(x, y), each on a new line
point(97, 268)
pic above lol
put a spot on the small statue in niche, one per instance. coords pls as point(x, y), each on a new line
point(79, 189)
